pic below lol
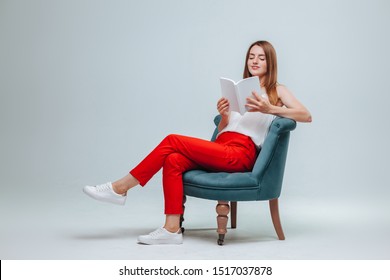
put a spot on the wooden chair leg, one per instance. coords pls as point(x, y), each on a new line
point(274, 208)
point(182, 215)
point(233, 214)
point(222, 220)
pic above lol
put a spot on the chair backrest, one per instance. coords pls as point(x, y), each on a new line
point(269, 166)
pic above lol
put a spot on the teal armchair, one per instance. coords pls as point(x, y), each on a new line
point(264, 182)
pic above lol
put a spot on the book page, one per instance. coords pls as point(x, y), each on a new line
point(244, 90)
point(228, 90)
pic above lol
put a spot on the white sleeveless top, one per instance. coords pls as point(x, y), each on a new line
point(252, 124)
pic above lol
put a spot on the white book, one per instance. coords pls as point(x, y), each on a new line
point(237, 92)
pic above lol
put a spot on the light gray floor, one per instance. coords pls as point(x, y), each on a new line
point(62, 223)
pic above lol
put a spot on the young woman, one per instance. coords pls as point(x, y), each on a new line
point(239, 138)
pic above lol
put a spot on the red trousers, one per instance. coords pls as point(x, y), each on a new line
point(231, 152)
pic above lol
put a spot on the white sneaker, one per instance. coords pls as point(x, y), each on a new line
point(105, 193)
point(161, 236)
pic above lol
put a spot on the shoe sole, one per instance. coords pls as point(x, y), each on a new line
point(160, 242)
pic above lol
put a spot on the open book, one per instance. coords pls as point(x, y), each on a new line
point(237, 92)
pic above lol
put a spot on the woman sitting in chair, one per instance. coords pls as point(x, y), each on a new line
point(235, 148)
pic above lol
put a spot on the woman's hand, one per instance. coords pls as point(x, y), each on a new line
point(258, 104)
point(223, 107)
point(288, 106)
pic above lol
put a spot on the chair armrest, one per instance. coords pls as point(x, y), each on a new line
point(282, 125)
point(269, 166)
point(217, 120)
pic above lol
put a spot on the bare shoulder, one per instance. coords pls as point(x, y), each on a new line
point(287, 97)
point(282, 90)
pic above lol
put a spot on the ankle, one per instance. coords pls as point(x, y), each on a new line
point(123, 185)
point(172, 229)
point(117, 188)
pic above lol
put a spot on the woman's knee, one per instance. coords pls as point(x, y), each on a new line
point(178, 163)
point(174, 160)
point(170, 137)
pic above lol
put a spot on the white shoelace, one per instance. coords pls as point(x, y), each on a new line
point(157, 232)
point(103, 188)
point(161, 232)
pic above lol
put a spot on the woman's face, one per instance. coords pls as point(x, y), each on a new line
point(257, 63)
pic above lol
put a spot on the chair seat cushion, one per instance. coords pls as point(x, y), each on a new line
point(237, 186)
point(220, 180)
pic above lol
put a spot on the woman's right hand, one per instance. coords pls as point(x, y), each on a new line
point(223, 107)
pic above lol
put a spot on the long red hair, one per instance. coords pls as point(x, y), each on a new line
point(270, 80)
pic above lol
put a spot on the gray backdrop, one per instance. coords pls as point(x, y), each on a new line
point(88, 88)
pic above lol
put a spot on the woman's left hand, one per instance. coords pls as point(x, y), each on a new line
point(256, 103)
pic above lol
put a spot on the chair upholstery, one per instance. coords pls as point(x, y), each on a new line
point(264, 182)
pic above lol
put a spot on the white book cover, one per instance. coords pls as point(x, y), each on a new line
point(238, 92)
